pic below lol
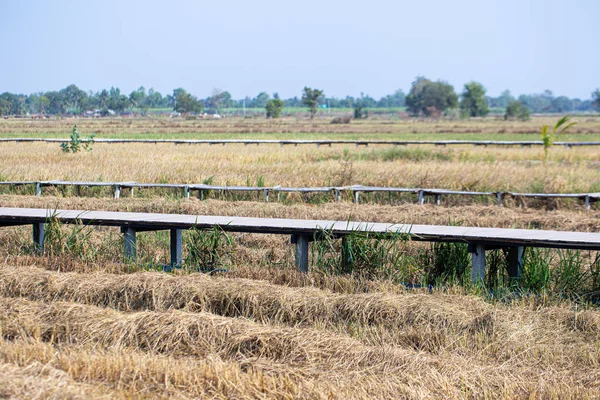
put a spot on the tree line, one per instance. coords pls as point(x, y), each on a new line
point(425, 98)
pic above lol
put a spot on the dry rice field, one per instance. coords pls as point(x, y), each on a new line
point(78, 322)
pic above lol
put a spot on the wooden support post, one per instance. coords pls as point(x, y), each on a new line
point(301, 242)
point(176, 253)
point(39, 231)
point(117, 192)
point(515, 261)
point(421, 197)
point(478, 266)
point(499, 199)
point(347, 258)
point(588, 204)
point(38, 189)
point(438, 199)
point(129, 245)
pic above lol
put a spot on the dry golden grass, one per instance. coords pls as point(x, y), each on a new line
point(261, 127)
point(264, 330)
point(234, 338)
point(464, 168)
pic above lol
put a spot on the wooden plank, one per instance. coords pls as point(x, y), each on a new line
point(312, 142)
point(501, 237)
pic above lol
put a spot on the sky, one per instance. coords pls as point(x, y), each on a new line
point(342, 47)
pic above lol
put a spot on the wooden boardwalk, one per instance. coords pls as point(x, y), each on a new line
point(355, 190)
point(322, 142)
point(305, 231)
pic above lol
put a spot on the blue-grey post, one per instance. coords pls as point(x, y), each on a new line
point(38, 236)
point(176, 252)
point(301, 242)
point(129, 245)
point(515, 261)
point(478, 269)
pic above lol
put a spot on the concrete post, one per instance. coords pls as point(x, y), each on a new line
point(129, 245)
point(176, 252)
point(39, 232)
point(515, 261)
point(478, 268)
point(421, 197)
point(301, 242)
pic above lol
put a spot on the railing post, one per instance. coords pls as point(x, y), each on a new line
point(588, 204)
point(176, 253)
point(117, 192)
point(129, 245)
point(38, 189)
point(438, 199)
point(478, 266)
point(356, 194)
point(337, 195)
point(515, 261)
point(421, 197)
point(301, 242)
point(499, 199)
point(186, 191)
point(266, 195)
point(39, 231)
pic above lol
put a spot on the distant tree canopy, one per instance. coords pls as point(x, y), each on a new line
point(186, 103)
point(516, 110)
point(596, 100)
point(425, 98)
point(310, 98)
point(430, 98)
point(274, 108)
point(473, 102)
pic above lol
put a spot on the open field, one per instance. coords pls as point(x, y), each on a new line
point(79, 322)
point(457, 168)
point(491, 128)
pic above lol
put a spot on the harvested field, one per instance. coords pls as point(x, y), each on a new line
point(79, 322)
point(217, 337)
point(286, 128)
point(463, 168)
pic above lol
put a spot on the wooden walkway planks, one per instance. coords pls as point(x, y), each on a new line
point(355, 190)
point(304, 231)
point(323, 142)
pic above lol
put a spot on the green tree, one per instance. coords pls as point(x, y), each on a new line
point(473, 102)
point(261, 100)
point(274, 108)
point(310, 98)
point(4, 107)
point(430, 98)
point(596, 100)
point(516, 110)
point(186, 103)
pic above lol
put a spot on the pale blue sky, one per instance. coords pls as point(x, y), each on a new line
point(343, 47)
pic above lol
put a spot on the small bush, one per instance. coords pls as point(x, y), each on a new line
point(76, 144)
point(342, 120)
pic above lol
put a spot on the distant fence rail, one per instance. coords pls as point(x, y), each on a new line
point(336, 191)
point(357, 143)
